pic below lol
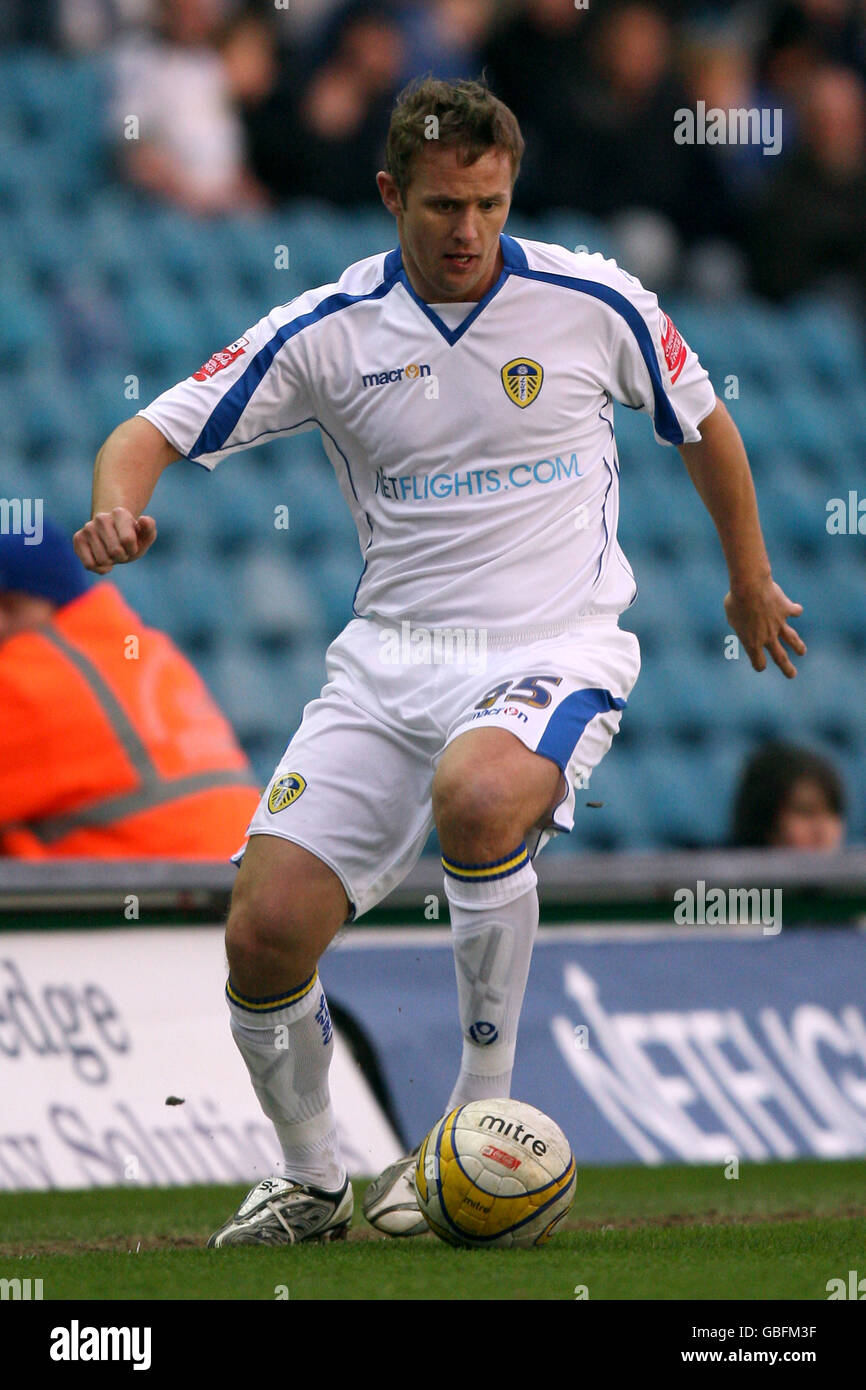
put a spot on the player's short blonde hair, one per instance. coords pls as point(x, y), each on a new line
point(465, 115)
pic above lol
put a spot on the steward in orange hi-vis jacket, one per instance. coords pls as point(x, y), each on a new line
point(110, 745)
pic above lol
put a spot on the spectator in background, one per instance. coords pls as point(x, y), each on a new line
point(264, 77)
point(789, 798)
point(621, 153)
point(445, 37)
point(535, 63)
point(801, 38)
point(300, 21)
point(809, 229)
point(110, 745)
point(87, 26)
point(346, 104)
point(720, 72)
point(802, 35)
point(189, 147)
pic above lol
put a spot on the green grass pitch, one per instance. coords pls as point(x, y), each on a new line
point(778, 1231)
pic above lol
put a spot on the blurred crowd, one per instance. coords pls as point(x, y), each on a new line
point(245, 105)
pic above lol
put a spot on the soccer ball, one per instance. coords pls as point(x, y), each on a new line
point(495, 1172)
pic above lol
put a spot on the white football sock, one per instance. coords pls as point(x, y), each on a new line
point(287, 1042)
point(494, 918)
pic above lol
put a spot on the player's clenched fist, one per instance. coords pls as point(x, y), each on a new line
point(113, 538)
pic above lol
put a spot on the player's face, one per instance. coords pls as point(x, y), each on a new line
point(450, 221)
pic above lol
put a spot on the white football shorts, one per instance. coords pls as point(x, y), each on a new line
point(355, 783)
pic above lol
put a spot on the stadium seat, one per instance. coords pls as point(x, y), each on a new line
point(26, 327)
point(246, 686)
point(623, 813)
point(97, 284)
point(833, 342)
point(274, 596)
point(154, 316)
point(338, 572)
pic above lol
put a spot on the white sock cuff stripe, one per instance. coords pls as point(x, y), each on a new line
point(497, 868)
point(490, 892)
point(286, 1008)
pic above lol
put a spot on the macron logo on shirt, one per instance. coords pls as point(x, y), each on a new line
point(412, 372)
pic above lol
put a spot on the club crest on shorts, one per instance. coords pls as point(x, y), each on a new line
point(522, 380)
point(285, 790)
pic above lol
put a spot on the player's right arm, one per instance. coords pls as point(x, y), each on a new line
point(255, 389)
point(128, 468)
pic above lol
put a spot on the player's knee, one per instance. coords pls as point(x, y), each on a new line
point(259, 935)
point(479, 802)
point(269, 928)
point(286, 907)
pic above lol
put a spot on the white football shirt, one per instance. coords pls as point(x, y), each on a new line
point(478, 458)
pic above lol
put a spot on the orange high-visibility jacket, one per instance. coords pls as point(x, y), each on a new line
point(110, 745)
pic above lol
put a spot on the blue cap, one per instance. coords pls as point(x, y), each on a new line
point(41, 562)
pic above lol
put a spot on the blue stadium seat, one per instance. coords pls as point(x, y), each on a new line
point(321, 243)
point(65, 487)
point(832, 341)
point(570, 229)
point(96, 284)
point(843, 586)
point(246, 686)
point(824, 701)
point(27, 327)
point(757, 418)
point(155, 316)
point(615, 783)
point(54, 412)
point(658, 602)
point(303, 674)
point(793, 500)
point(120, 245)
point(144, 586)
point(338, 571)
point(275, 596)
point(263, 696)
point(806, 415)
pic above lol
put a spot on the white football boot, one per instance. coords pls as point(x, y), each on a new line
point(278, 1211)
point(391, 1203)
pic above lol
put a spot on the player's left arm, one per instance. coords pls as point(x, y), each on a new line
point(756, 606)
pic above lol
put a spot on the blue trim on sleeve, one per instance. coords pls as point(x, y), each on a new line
point(567, 723)
point(393, 264)
point(225, 415)
point(513, 253)
point(666, 423)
